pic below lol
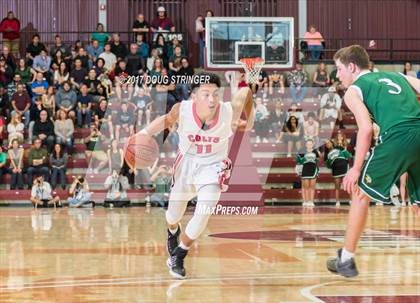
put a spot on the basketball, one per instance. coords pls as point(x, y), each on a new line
point(141, 151)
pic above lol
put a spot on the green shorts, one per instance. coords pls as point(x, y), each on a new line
point(398, 152)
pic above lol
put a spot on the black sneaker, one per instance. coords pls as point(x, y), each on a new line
point(177, 269)
point(173, 240)
point(347, 269)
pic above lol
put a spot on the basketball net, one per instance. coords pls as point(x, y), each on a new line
point(252, 67)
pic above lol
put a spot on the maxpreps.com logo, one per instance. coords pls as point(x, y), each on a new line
point(368, 179)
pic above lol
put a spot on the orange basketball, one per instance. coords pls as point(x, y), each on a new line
point(141, 151)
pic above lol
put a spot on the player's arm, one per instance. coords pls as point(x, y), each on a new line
point(242, 103)
point(364, 123)
point(163, 122)
point(414, 82)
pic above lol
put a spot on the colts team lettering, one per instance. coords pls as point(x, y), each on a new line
point(207, 148)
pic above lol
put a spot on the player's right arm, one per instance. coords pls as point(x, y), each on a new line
point(163, 122)
point(364, 136)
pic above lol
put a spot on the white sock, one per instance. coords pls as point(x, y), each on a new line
point(183, 246)
point(345, 255)
point(173, 231)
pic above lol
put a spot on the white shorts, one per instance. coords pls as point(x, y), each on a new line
point(189, 175)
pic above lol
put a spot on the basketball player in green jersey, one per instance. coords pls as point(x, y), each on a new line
point(388, 99)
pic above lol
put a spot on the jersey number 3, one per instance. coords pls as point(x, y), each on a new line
point(393, 85)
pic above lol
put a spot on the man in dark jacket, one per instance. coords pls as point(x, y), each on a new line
point(44, 130)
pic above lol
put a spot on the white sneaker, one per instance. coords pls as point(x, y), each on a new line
point(289, 155)
point(304, 204)
point(403, 204)
point(311, 204)
point(258, 139)
point(379, 204)
point(265, 140)
point(337, 204)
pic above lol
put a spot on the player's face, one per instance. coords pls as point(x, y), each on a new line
point(345, 73)
point(207, 97)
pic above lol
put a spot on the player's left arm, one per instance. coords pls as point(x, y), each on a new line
point(364, 136)
point(414, 82)
point(242, 102)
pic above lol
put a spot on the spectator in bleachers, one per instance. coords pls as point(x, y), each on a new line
point(162, 22)
point(99, 67)
point(58, 164)
point(41, 194)
point(61, 75)
point(78, 74)
point(66, 99)
point(274, 80)
point(84, 105)
point(135, 63)
point(173, 139)
point(294, 111)
point(277, 120)
point(10, 27)
point(57, 59)
point(372, 67)
point(173, 44)
point(21, 103)
point(200, 30)
point(79, 191)
point(3, 159)
point(94, 50)
point(64, 130)
point(151, 60)
point(118, 48)
point(6, 72)
point(140, 26)
point(44, 129)
point(60, 46)
point(39, 86)
point(261, 121)
point(330, 108)
point(175, 61)
point(15, 128)
point(157, 68)
point(12, 87)
point(92, 84)
point(123, 89)
point(2, 124)
point(75, 48)
point(298, 83)
point(15, 155)
point(115, 157)
point(125, 122)
point(100, 35)
point(83, 57)
point(103, 118)
point(4, 102)
point(38, 161)
point(34, 114)
point(34, 49)
point(48, 101)
point(183, 89)
point(314, 40)
point(27, 74)
point(144, 104)
point(164, 96)
point(408, 70)
point(160, 46)
point(292, 134)
point(261, 83)
point(143, 49)
point(320, 80)
point(109, 58)
point(10, 59)
point(311, 129)
point(94, 149)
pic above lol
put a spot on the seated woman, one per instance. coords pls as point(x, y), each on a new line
point(15, 128)
point(15, 154)
point(292, 134)
point(320, 80)
point(64, 130)
point(58, 164)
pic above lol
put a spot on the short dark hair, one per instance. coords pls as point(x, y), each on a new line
point(36, 35)
point(353, 54)
point(212, 79)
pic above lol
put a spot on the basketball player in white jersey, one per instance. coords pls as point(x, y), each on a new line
point(205, 124)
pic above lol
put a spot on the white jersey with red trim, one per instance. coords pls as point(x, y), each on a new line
point(209, 145)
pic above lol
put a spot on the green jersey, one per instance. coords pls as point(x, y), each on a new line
point(335, 154)
point(308, 157)
point(390, 99)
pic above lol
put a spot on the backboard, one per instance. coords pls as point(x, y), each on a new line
point(228, 39)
